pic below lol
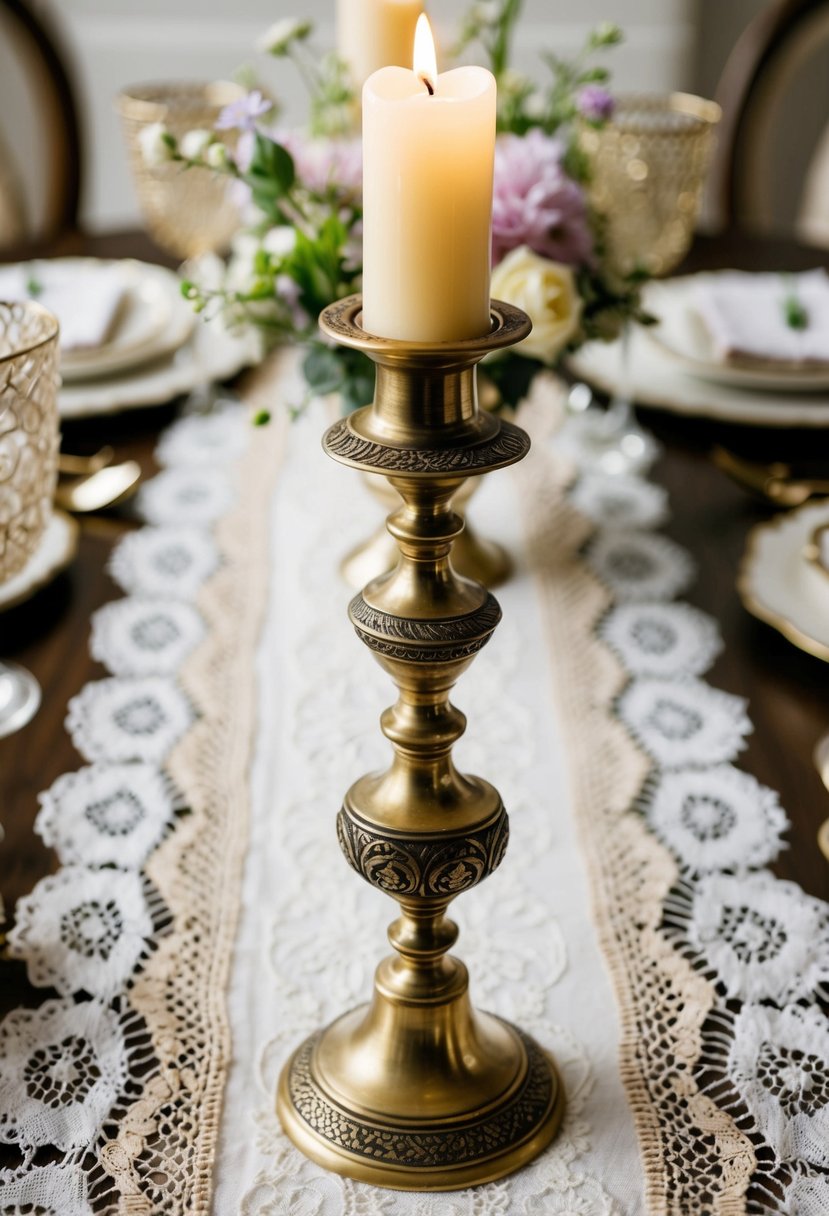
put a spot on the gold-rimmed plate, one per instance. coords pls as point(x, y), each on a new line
point(780, 585)
point(817, 550)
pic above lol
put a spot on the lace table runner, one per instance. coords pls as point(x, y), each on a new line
point(110, 1090)
point(119, 1094)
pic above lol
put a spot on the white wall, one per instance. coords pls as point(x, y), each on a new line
point(118, 42)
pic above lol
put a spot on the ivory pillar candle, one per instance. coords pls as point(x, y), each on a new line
point(428, 151)
point(374, 34)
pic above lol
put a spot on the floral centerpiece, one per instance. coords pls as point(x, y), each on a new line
point(300, 247)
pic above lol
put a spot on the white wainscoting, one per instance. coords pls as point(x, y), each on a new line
point(124, 41)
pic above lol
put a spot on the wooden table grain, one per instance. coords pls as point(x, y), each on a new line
point(787, 690)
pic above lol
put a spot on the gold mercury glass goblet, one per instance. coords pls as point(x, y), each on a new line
point(187, 211)
point(649, 164)
point(29, 441)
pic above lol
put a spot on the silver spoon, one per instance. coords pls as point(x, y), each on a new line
point(104, 488)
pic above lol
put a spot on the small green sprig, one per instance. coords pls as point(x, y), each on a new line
point(327, 78)
point(795, 312)
point(522, 105)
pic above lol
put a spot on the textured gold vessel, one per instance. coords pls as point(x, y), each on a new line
point(417, 1090)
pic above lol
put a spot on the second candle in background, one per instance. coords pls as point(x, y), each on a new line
point(428, 151)
point(374, 34)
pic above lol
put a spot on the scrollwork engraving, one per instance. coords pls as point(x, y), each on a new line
point(438, 1147)
point(432, 867)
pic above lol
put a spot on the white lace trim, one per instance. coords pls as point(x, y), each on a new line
point(47, 1190)
point(82, 930)
point(779, 1065)
point(684, 722)
point(664, 640)
point(62, 1067)
point(192, 496)
point(169, 562)
point(145, 637)
point(716, 818)
point(128, 719)
point(639, 566)
point(763, 939)
point(106, 814)
point(204, 439)
point(620, 503)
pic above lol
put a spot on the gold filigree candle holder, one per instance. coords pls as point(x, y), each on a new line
point(417, 1090)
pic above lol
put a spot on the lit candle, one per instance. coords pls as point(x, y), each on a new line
point(374, 34)
point(428, 150)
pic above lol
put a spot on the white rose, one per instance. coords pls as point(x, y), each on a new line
point(157, 144)
point(278, 38)
point(195, 143)
point(547, 292)
point(280, 241)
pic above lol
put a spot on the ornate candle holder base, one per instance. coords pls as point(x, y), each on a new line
point(465, 1098)
point(473, 556)
point(417, 1090)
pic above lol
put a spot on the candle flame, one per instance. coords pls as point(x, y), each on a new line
point(425, 61)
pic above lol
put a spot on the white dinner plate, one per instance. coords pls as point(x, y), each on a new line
point(210, 353)
point(154, 320)
point(682, 334)
point(781, 586)
point(658, 379)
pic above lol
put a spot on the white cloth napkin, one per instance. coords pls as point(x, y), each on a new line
point(745, 315)
point(85, 302)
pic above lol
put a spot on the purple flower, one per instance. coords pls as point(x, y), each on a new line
point(241, 115)
point(595, 103)
point(535, 203)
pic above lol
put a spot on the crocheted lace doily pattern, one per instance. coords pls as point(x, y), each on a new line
point(720, 967)
point(110, 1090)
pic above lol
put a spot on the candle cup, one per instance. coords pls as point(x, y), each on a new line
point(417, 1090)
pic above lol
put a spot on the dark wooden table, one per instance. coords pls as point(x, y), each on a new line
point(787, 690)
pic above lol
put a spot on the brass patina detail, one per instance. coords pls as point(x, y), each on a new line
point(417, 1090)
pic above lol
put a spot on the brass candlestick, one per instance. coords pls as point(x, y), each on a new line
point(417, 1090)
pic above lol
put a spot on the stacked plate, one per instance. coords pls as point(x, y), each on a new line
point(151, 348)
point(784, 577)
point(674, 366)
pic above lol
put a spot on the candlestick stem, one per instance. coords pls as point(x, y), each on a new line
point(418, 1090)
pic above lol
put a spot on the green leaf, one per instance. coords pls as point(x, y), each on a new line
point(271, 171)
point(513, 375)
point(322, 369)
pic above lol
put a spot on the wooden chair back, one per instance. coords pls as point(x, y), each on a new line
point(52, 121)
point(774, 93)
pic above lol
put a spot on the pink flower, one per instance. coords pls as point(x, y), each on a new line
point(325, 163)
point(535, 203)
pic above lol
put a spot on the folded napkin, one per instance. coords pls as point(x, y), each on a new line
point(85, 302)
point(746, 316)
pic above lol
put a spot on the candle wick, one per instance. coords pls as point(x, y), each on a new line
point(429, 85)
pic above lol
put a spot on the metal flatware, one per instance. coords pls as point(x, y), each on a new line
point(821, 758)
point(104, 488)
point(80, 465)
point(773, 482)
